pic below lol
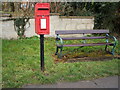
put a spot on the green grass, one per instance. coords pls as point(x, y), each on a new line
point(0, 63)
point(21, 64)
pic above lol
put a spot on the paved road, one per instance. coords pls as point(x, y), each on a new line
point(108, 82)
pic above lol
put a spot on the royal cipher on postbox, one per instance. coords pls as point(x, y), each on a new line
point(42, 20)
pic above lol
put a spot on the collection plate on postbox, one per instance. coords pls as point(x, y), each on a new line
point(42, 20)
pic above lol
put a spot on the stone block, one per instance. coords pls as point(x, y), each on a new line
point(87, 21)
point(0, 29)
point(81, 27)
point(8, 31)
point(70, 26)
point(31, 30)
point(89, 26)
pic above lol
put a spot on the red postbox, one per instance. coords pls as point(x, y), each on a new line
point(42, 21)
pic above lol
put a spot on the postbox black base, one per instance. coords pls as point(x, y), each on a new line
point(42, 52)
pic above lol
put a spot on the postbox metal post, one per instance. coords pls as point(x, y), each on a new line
point(42, 52)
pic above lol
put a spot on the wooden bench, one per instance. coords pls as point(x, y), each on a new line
point(70, 32)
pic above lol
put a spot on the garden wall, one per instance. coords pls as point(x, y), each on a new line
point(57, 23)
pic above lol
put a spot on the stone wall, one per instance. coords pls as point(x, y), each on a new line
point(57, 23)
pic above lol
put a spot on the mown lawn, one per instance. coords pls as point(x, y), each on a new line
point(21, 64)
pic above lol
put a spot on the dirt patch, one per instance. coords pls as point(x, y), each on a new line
point(86, 57)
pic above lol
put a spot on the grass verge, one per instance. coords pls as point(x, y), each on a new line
point(21, 64)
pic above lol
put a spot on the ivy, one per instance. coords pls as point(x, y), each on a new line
point(20, 25)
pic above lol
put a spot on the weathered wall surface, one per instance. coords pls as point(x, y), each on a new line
point(57, 23)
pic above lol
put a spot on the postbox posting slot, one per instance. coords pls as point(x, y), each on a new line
point(43, 9)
